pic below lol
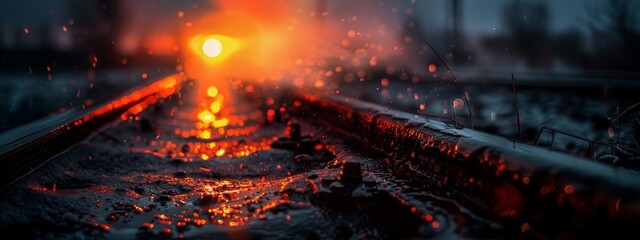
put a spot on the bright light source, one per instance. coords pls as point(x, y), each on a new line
point(209, 48)
point(212, 47)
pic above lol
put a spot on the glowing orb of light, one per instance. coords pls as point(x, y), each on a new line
point(212, 91)
point(212, 47)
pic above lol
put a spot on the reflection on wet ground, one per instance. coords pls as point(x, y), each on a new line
point(145, 178)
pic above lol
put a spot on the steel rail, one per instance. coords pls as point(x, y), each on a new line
point(513, 178)
point(24, 149)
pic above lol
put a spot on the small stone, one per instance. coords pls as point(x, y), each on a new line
point(328, 180)
point(185, 148)
point(351, 172)
point(184, 189)
point(312, 176)
point(177, 161)
point(360, 192)
point(113, 217)
point(293, 130)
point(251, 209)
point(163, 198)
point(150, 208)
point(306, 141)
point(146, 225)
point(206, 199)
point(139, 190)
point(304, 158)
point(180, 174)
point(337, 187)
point(322, 192)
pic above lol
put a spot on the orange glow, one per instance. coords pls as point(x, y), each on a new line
point(220, 123)
point(241, 39)
point(140, 99)
point(216, 106)
point(210, 114)
point(435, 224)
point(212, 47)
point(206, 116)
point(199, 222)
point(244, 39)
point(458, 104)
point(163, 44)
point(568, 189)
point(212, 91)
point(432, 68)
point(147, 225)
point(271, 114)
point(206, 134)
point(428, 218)
point(161, 216)
point(102, 226)
point(220, 152)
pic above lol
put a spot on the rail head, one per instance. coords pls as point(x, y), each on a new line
point(24, 149)
point(479, 163)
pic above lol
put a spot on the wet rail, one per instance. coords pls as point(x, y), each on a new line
point(25, 148)
point(405, 175)
point(523, 185)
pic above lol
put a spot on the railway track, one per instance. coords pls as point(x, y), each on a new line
point(342, 169)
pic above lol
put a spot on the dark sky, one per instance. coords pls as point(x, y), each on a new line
point(480, 16)
point(33, 12)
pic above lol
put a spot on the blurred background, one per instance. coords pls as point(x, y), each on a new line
point(585, 35)
point(583, 54)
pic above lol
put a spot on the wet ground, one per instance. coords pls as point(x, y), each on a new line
point(155, 176)
point(144, 177)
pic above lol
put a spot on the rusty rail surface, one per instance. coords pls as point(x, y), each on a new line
point(516, 180)
point(24, 149)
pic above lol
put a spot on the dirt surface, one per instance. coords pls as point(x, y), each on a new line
point(144, 178)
